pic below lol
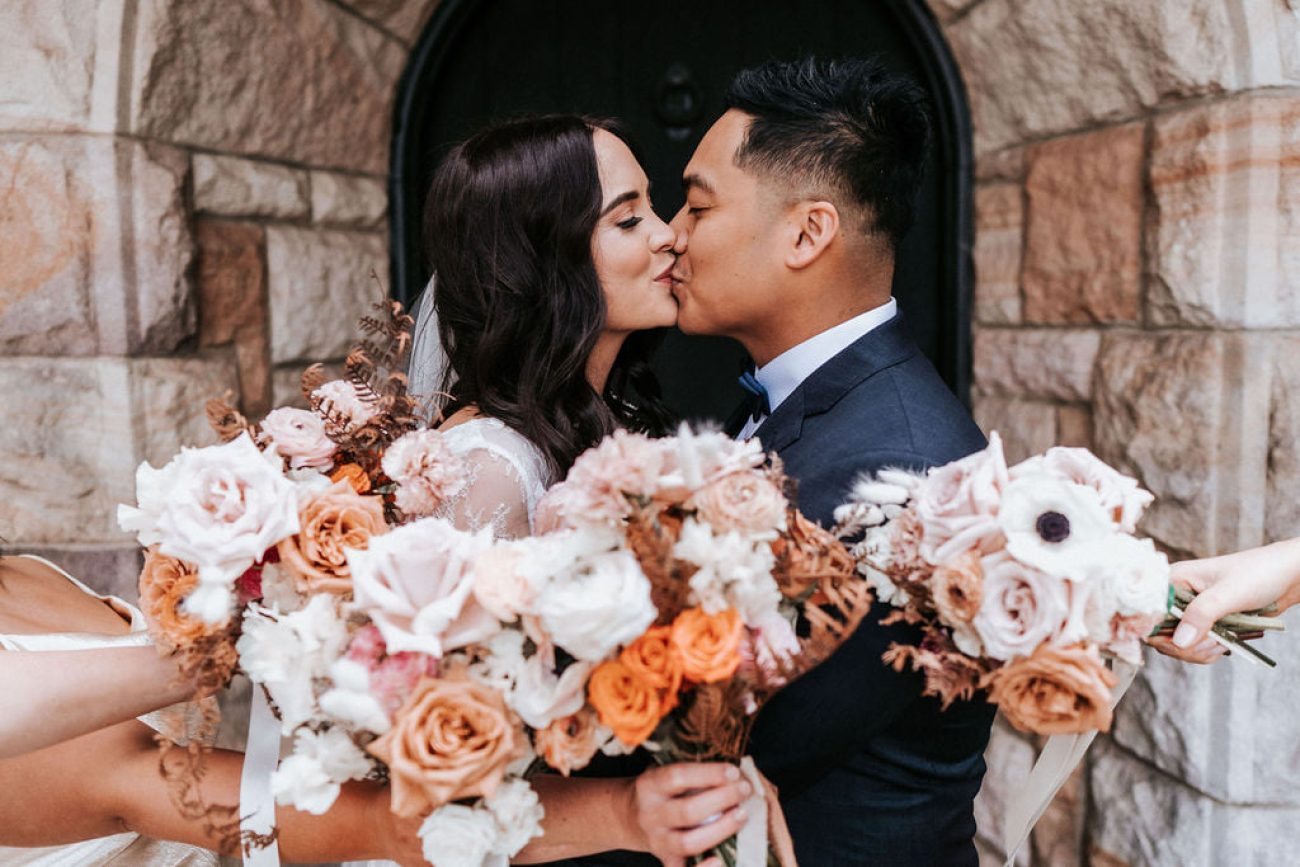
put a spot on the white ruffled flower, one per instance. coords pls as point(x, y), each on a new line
point(459, 836)
point(735, 571)
point(427, 472)
point(540, 696)
point(416, 583)
point(501, 661)
point(350, 701)
point(518, 812)
point(287, 652)
point(1055, 526)
point(310, 778)
point(694, 459)
point(219, 508)
point(599, 604)
point(279, 591)
point(1022, 607)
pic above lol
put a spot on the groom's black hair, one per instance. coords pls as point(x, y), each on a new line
point(850, 127)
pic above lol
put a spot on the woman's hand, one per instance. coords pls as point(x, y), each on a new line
point(685, 809)
point(1231, 584)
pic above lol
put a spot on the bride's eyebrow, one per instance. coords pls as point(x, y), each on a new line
point(629, 196)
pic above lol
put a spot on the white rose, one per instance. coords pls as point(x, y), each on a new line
point(299, 435)
point(287, 652)
point(350, 701)
point(518, 812)
point(219, 508)
point(460, 836)
point(1120, 495)
point(540, 696)
point(1055, 526)
point(310, 778)
point(602, 602)
point(416, 583)
point(735, 571)
point(1136, 574)
point(1022, 607)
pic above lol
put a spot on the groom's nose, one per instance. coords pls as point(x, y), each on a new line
point(680, 235)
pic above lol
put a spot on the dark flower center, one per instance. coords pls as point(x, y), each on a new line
point(1053, 527)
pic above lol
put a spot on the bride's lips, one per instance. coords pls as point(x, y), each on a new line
point(667, 276)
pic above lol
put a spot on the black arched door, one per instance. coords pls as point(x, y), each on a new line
point(662, 68)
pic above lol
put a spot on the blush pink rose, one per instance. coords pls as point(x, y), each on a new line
point(747, 502)
point(1021, 608)
point(957, 504)
point(602, 479)
point(299, 436)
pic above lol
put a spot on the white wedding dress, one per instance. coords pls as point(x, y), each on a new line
point(119, 850)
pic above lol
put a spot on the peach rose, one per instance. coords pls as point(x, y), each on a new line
point(1057, 690)
point(654, 658)
point(747, 502)
point(452, 739)
point(959, 589)
point(570, 743)
point(708, 644)
point(330, 521)
point(164, 584)
point(354, 475)
point(626, 702)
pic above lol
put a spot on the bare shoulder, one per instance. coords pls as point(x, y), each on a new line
point(37, 599)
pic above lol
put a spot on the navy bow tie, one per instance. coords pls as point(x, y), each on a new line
point(756, 400)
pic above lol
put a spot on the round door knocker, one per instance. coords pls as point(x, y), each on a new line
point(678, 103)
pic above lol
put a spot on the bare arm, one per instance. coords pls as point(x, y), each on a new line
point(71, 693)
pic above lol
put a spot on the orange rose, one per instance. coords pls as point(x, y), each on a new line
point(164, 584)
point(1057, 690)
point(330, 521)
point(626, 703)
point(452, 739)
point(708, 644)
point(655, 660)
point(570, 743)
point(354, 476)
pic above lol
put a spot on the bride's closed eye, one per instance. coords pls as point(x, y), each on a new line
point(630, 223)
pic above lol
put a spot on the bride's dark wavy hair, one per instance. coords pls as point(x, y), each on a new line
point(508, 226)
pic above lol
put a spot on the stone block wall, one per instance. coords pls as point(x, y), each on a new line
point(1137, 263)
point(192, 200)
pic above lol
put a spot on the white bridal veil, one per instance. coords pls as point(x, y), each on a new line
point(429, 362)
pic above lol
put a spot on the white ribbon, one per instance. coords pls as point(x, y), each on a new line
point(1060, 756)
point(256, 803)
point(751, 841)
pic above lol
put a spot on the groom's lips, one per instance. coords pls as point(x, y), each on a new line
point(667, 276)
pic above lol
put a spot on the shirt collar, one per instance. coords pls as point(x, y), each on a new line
point(783, 374)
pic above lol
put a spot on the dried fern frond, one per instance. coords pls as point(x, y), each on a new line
point(312, 378)
point(717, 723)
point(226, 420)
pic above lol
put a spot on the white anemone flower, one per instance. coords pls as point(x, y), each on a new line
point(1054, 525)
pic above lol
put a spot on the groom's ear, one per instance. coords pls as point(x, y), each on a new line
point(814, 224)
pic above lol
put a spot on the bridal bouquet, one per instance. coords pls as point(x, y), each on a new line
point(1021, 579)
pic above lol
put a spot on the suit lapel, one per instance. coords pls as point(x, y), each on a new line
point(881, 348)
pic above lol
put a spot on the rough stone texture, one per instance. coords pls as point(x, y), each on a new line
point(1224, 231)
point(1027, 427)
point(1283, 506)
point(947, 10)
point(1083, 242)
point(999, 245)
point(233, 305)
point(76, 429)
point(1007, 164)
point(320, 285)
point(1143, 818)
point(1041, 363)
point(247, 188)
point(110, 569)
point(1186, 413)
point(1040, 67)
point(95, 247)
point(1074, 426)
point(47, 64)
point(1009, 757)
point(405, 19)
point(347, 200)
point(300, 80)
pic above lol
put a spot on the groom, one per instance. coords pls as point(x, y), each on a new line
point(796, 201)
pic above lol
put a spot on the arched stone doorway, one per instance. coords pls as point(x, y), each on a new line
point(662, 70)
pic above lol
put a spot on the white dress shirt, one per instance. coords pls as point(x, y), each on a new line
point(783, 374)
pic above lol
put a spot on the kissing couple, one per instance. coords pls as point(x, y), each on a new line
point(552, 273)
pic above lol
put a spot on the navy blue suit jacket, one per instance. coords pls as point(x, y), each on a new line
point(870, 772)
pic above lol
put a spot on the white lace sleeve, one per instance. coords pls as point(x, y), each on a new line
point(507, 477)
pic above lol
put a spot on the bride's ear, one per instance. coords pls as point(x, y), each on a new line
point(814, 224)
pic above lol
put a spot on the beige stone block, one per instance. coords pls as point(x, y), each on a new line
point(1041, 67)
point(233, 303)
point(1007, 164)
point(1027, 427)
point(1223, 237)
point(298, 80)
point(321, 283)
point(75, 430)
point(405, 19)
point(1054, 364)
point(47, 64)
point(1074, 426)
point(95, 246)
point(1009, 757)
point(999, 245)
point(248, 188)
point(347, 200)
point(1083, 244)
point(1283, 506)
point(1186, 413)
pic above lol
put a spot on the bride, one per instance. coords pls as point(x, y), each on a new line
point(551, 270)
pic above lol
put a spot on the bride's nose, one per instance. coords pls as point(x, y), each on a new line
point(662, 237)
